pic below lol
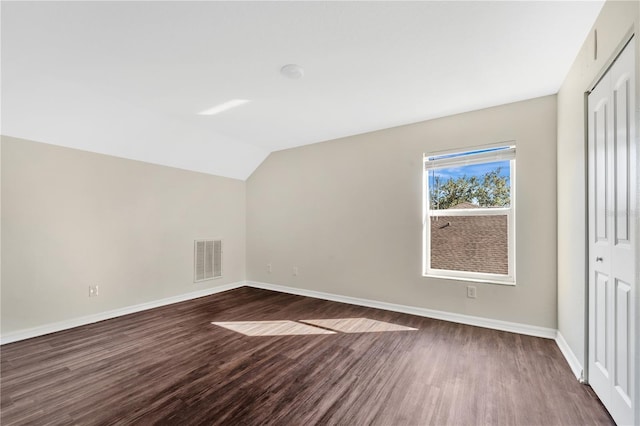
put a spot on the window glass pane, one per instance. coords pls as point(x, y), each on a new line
point(470, 186)
point(470, 243)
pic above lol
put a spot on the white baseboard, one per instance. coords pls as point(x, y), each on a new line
point(530, 330)
point(89, 319)
point(512, 327)
point(571, 358)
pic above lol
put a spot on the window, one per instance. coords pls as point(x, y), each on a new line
point(469, 214)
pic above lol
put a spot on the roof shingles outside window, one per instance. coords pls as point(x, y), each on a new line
point(470, 243)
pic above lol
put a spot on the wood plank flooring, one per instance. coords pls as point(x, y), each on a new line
point(172, 366)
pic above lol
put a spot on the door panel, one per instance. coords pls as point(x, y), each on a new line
point(622, 348)
point(601, 168)
point(622, 141)
point(601, 324)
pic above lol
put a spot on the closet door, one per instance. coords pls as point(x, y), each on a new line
point(613, 248)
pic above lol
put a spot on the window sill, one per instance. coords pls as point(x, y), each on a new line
point(473, 280)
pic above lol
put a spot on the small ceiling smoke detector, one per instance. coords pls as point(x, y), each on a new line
point(292, 71)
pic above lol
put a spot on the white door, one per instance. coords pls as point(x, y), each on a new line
point(613, 247)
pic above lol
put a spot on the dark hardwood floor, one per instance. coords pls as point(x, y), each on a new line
point(170, 365)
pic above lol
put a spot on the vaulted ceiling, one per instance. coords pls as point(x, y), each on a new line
point(130, 78)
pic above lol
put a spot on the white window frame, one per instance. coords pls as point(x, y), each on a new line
point(509, 153)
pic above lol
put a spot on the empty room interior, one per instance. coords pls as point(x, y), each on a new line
point(337, 213)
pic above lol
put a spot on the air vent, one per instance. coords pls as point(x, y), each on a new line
point(208, 260)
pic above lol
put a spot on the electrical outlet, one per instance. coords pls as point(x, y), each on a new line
point(268, 267)
point(295, 271)
point(93, 291)
point(471, 291)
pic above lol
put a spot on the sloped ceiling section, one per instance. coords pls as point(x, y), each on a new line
point(129, 78)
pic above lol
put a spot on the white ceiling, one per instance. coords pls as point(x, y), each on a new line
point(128, 78)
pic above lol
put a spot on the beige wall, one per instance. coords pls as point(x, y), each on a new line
point(615, 21)
point(347, 213)
point(72, 218)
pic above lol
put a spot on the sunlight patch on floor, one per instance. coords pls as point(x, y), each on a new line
point(315, 326)
point(356, 325)
point(271, 328)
